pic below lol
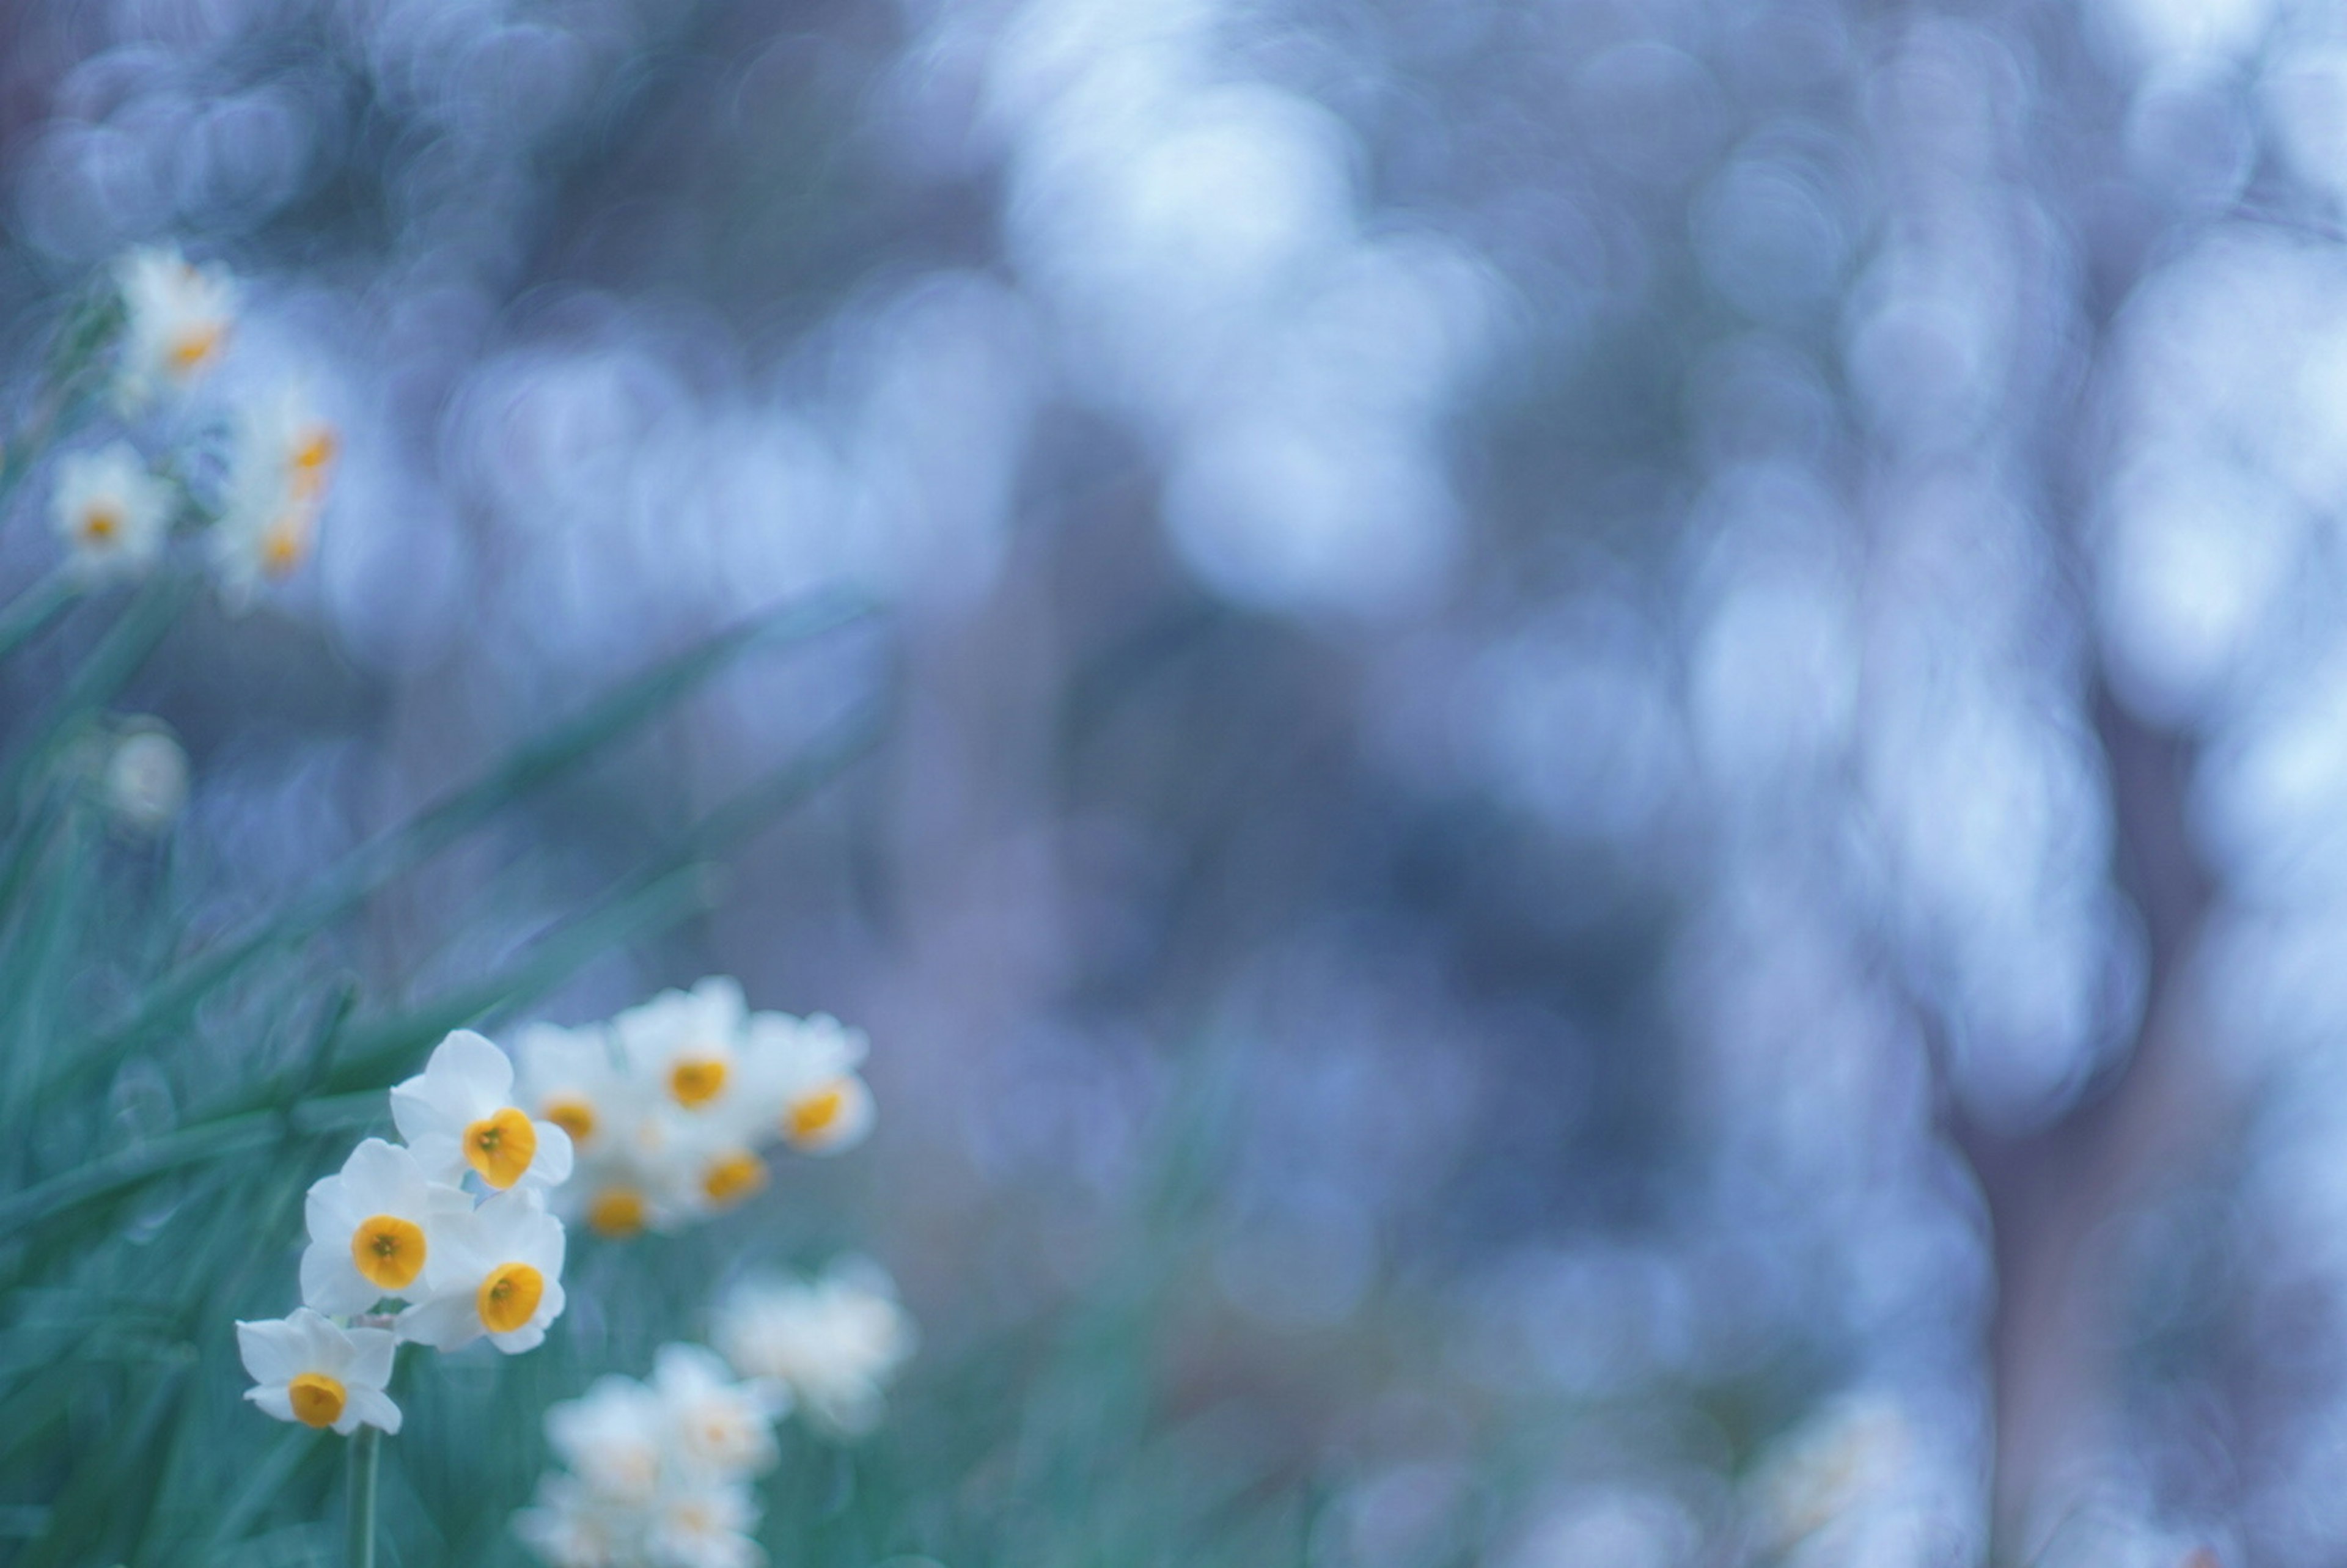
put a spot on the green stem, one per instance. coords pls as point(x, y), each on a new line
point(36, 607)
point(365, 1443)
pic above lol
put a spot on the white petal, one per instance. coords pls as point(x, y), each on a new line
point(419, 1114)
point(454, 1258)
point(443, 1322)
point(372, 1406)
point(328, 1212)
point(272, 1350)
point(274, 1397)
point(553, 1165)
point(325, 1346)
point(439, 1154)
point(331, 1282)
point(470, 1076)
point(381, 1178)
point(529, 1337)
point(372, 1353)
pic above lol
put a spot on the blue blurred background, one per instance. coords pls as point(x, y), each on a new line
point(1702, 639)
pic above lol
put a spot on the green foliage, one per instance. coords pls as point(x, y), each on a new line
point(165, 1103)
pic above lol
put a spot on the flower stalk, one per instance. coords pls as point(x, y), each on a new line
point(366, 1445)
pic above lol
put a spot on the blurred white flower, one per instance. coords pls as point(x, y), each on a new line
point(611, 1439)
point(375, 1229)
point(1855, 1457)
point(658, 1469)
point(310, 1370)
point(111, 512)
point(495, 1270)
point(571, 1526)
point(459, 1113)
point(569, 1077)
point(721, 1427)
point(835, 1342)
point(806, 1066)
point(670, 1104)
point(280, 468)
point(177, 320)
point(146, 778)
point(686, 1043)
point(705, 1526)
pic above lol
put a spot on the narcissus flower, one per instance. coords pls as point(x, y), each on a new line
point(111, 512)
point(687, 1043)
point(573, 1526)
point(705, 1526)
point(146, 778)
point(176, 326)
point(613, 1437)
point(495, 1270)
point(310, 1370)
point(571, 1077)
point(460, 1114)
point(374, 1229)
point(826, 1108)
point(835, 1342)
point(280, 468)
point(660, 1469)
point(720, 1426)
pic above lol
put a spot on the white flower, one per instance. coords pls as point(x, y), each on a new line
point(460, 1114)
point(311, 1371)
point(375, 1230)
point(495, 1270)
point(686, 1044)
point(110, 511)
point(704, 1526)
point(570, 1527)
point(280, 466)
point(1854, 1456)
point(568, 1076)
point(177, 320)
point(145, 780)
point(612, 1438)
point(806, 1069)
point(719, 1427)
point(836, 1342)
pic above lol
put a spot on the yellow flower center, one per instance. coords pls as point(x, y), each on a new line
point(811, 1117)
point(734, 1176)
point(100, 524)
point(317, 1399)
point(575, 1117)
point(510, 1295)
point(389, 1251)
point(697, 1080)
point(286, 543)
point(617, 1212)
point(193, 347)
point(500, 1146)
point(312, 455)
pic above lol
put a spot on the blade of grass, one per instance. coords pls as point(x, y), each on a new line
point(106, 669)
point(34, 608)
point(664, 894)
point(673, 887)
point(45, 1202)
point(534, 764)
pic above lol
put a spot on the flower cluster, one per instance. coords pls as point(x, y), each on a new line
point(834, 1342)
point(672, 1103)
point(115, 506)
point(454, 1226)
point(659, 1472)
